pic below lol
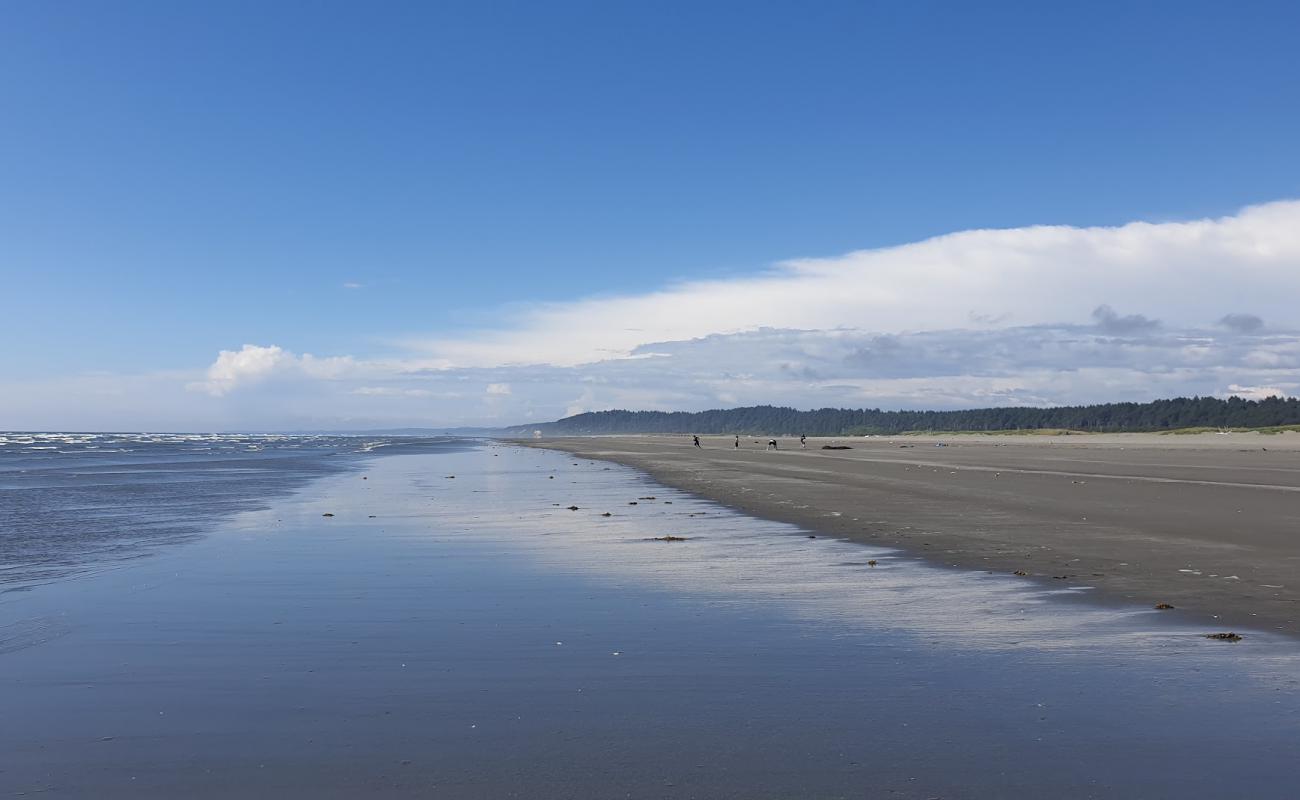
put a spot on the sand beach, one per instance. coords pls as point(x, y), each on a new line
point(1207, 523)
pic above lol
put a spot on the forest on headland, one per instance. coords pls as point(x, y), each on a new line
point(1159, 415)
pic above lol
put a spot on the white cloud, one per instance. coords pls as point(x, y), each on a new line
point(1181, 273)
point(353, 285)
point(1031, 316)
point(254, 363)
point(1034, 316)
point(269, 388)
point(234, 367)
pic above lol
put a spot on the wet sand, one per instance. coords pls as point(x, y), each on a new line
point(1207, 523)
point(398, 632)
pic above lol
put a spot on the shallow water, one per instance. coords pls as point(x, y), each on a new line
point(475, 638)
point(73, 502)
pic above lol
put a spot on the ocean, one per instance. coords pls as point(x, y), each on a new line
point(70, 502)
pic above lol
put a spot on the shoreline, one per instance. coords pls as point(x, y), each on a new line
point(1208, 524)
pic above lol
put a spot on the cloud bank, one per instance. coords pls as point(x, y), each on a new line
point(1183, 273)
point(1034, 316)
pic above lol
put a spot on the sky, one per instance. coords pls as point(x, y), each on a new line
point(326, 215)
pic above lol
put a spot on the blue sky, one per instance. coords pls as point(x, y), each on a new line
point(181, 179)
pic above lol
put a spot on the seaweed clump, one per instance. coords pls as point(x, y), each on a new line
point(1225, 637)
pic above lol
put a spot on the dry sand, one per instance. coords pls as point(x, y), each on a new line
point(1207, 523)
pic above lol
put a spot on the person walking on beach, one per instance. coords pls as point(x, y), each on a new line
point(803, 441)
point(697, 441)
point(738, 441)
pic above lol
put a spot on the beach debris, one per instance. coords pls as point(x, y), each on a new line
point(811, 536)
point(632, 503)
point(449, 477)
point(1225, 637)
point(1060, 577)
point(607, 514)
point(871, 563)
point(1020, 572)
point(573, 508)
point(1163, 606)
point(327, 514)
point(651, 497)
point(668, 502)
point(836, 447)
point(670, 538)
point(364, 478)
point(550, 477)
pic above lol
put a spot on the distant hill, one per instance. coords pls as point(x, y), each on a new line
point(1160, 415)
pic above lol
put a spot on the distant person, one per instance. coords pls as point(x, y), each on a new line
point(771, 444)
point(697, 441)
point(738, 441)
point(803, 442)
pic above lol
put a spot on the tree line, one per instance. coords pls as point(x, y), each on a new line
point(1158, 415)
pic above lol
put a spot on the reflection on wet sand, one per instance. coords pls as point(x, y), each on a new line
point(476, 638)
point(822, 581)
